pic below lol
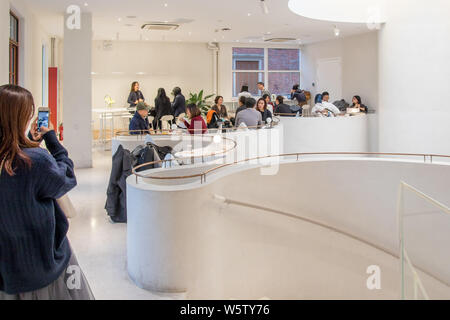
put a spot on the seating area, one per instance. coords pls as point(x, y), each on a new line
point(231, 157)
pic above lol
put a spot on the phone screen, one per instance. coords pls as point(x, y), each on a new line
point(42, 119)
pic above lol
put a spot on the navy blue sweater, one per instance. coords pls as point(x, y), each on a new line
point(139, 123)
point(34, 250)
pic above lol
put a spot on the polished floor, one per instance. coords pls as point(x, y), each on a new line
point(101, 250)
point(99, 244)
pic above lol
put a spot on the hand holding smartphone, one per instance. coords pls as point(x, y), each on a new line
point(43, 118)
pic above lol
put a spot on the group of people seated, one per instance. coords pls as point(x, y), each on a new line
point(250, 113)
point(324, 108)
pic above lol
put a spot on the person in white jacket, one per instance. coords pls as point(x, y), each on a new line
point(326, 105)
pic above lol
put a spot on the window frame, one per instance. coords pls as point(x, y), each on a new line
point(14, 50)
point(265, 71)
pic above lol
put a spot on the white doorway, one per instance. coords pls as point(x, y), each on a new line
point(329, 77)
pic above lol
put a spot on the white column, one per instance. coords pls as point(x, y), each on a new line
point(77, 94)
point(414, 51)
point(4, 42)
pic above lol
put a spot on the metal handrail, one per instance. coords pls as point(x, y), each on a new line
point(203, 175)
point(403, 252)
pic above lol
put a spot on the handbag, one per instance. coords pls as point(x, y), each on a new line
point(64, 202)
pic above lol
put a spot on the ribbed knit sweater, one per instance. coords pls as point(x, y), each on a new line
point(34, 250)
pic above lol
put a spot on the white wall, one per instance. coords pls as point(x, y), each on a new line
point(32, 37)
point(414, 77)
point(187, 65)
point(221, 250)
point(359, 56)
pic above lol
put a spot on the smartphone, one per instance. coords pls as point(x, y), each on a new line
point(43, 117)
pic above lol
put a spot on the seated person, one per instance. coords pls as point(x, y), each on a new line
point(281, 108)
point(196, 125)
point(358, 104)
point(326, 104)
point(220, 108)
point(139, 123)
point(212, 119)
point(242, 106)
point(261, 106)
point(318, 109)
point(249, 116)
point(299, 95)
point(268, 100)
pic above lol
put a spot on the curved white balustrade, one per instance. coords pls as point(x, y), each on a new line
point(326, 134)
point(215, 240)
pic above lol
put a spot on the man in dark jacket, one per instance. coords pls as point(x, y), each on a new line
point(281, 108)
point(139, 123)
point(298, 94)
point(179, 103)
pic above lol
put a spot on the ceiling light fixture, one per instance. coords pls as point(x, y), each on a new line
point(166, 5)
point(264, 6)
point(249, 14)
point(86, 4)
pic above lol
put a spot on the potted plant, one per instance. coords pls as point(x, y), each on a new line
point(200, 101)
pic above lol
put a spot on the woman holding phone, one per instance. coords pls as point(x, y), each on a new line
point(35, 254)
point(136, 95)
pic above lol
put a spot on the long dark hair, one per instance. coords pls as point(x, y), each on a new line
point(359, 100)
point(16, 110)
point(265, 104)
point(161, 96)
point(133, 85)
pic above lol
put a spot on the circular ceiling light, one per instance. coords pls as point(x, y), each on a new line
point(351, 11)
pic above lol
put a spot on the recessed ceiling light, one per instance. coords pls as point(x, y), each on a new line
point(250, 40)
point(249, 14)
point(166, 5)
point(119, 19)
point(237, 40)
point(86, 4)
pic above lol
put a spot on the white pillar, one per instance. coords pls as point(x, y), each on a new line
point(77, 91)
point(415, 77)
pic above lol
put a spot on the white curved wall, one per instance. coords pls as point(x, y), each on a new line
point(340, 134)
point(186, 240)
point(414, 77)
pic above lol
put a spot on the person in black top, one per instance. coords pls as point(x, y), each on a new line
point(357, 103)
point(179, 103)
point(261, 106)
point(282, 108)
point(220, 108)
point(136, 95)
point(162, 108)
point(298, 94)
point(242, 106)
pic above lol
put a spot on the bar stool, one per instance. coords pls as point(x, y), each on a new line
point(166, 122)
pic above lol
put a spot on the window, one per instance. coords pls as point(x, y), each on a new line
point(13, 49)
point(279, 69)
point(247, 66)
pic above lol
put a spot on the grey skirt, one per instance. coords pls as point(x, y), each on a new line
point(71, 285)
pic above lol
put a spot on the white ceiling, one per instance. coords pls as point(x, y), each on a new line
point(245, 17)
